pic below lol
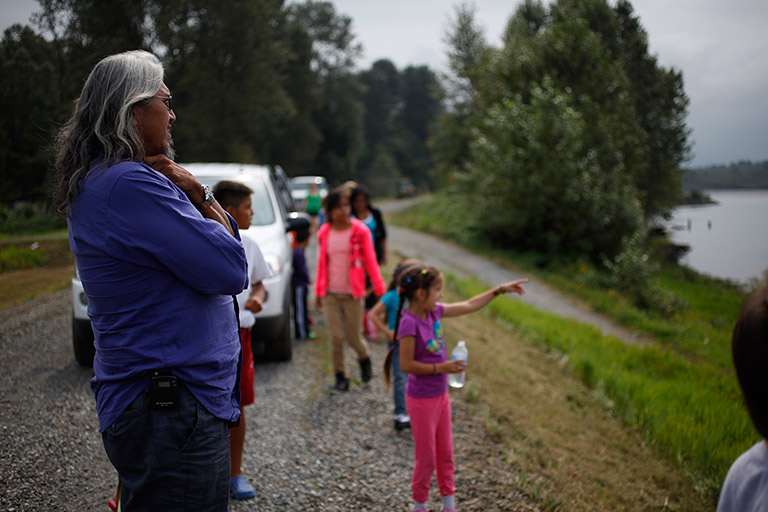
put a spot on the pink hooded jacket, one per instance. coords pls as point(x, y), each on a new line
point(362, 259)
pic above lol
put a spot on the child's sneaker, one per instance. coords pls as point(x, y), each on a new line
point(342, 383)
point(241, 489)
point(366, 370)
point(402, 421)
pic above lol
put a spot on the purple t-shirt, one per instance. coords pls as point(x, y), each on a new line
point(429, 347)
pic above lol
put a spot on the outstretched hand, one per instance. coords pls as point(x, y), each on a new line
point(514, 287)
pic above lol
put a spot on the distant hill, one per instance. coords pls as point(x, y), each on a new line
point(743, 174)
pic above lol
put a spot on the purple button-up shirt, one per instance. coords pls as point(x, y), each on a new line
point(159, 279)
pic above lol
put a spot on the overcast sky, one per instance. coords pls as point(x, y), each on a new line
point(720, 46)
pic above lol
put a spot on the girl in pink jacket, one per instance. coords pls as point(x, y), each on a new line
point(345, 254)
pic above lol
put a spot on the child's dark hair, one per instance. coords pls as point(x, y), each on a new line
point(301, 235)
point(231, 193)
point(398, 271)
point(749, 348)
point(415, 277)
point(360, 190)
point(333, 200)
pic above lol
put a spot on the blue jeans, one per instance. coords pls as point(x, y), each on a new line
point(398, 383)
point(300, 312)
point(170, 459)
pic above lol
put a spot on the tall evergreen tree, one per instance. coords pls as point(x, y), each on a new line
point(29, 112)
point(339, 117)
point(225, 64)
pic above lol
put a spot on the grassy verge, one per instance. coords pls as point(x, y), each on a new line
point(680, 392)
point(32, 269)
point(571, 449)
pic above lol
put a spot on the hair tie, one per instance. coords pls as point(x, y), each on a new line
point(423, 271)
point(409, 280)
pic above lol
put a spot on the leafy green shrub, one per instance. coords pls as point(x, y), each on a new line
point(29, 218)
point(16, 258)
point(534, 183)
point(632, 272)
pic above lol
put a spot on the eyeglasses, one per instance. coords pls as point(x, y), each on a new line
point(166, 100)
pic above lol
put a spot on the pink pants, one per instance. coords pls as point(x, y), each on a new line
point(433, 445)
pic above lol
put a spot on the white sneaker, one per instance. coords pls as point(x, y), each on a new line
point(402, 421)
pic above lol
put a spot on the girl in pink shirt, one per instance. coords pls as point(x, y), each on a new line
point(424, 357)
point(345, 254)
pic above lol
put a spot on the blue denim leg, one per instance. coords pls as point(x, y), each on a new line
point(300, 313)
point(398, 383)
point(170, 460)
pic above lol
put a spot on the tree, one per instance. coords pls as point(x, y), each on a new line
point(535, 183)
point(383, 104)
point(400, 109)
point(421, 95)
point(591, 59)
point(28, 102)
point(339, 116)
point(468, 57)
point(225, 64)
point(661, 106)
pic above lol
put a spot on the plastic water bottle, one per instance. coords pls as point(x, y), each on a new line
point(456, 380)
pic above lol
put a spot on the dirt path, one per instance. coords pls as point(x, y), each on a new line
point(450, 258)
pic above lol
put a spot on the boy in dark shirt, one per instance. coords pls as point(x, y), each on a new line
point(300, 286)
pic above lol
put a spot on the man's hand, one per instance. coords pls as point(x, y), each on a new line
point(180, 177)
point(183, 179)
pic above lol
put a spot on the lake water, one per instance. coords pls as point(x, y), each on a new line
point(729, 239)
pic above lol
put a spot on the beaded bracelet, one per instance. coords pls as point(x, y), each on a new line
point(500, 291)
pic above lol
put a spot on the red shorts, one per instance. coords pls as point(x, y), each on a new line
point(247, 394)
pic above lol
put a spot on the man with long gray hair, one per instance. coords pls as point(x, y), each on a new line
point(160, 261)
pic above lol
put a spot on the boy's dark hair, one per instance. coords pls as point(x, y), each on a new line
point(749, 348)
point(231, 193)
point(301, 235)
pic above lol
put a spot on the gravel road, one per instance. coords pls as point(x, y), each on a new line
point(307, 448)
point(449, 257)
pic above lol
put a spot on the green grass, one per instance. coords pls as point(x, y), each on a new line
point(681, 390)
point(690, 410)
point(17, 258)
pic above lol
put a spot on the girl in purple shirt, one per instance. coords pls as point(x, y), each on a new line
point(424, 357)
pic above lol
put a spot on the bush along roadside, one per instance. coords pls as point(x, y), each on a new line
point(29, 218)
point(18, 258)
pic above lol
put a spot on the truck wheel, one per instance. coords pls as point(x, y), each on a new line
point(82, 342)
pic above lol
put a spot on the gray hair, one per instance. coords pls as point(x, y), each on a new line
point(101, 127)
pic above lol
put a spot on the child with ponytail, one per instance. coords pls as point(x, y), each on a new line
point(424, 357)
point(383, 316)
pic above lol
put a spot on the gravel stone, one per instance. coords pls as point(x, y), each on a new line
point(307, 448)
